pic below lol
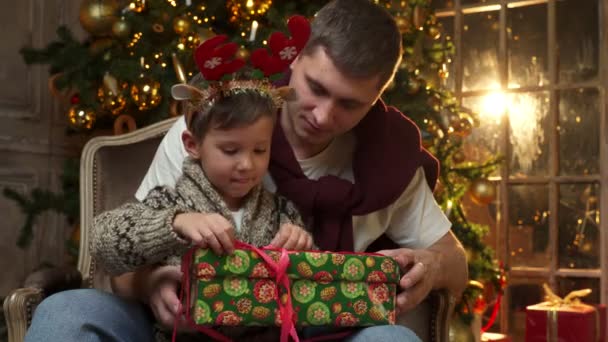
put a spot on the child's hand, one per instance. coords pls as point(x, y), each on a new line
point(206, 230)
point(292, 237)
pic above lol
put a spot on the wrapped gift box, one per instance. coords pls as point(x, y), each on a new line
point(565, 323)
point(325, 289)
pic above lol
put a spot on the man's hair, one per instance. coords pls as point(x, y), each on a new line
point(361, 38)
point(238, 108)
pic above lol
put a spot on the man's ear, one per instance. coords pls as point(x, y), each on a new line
point(190, 144)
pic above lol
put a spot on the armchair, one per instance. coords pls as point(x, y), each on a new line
point(111, 169)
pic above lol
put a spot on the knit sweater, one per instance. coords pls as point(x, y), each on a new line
point(140, 233)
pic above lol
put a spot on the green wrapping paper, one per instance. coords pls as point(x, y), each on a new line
point(327, 289)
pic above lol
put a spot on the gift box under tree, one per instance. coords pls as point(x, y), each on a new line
point(565, 320)
point(265, 287)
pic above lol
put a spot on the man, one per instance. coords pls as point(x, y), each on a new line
point(352, 165)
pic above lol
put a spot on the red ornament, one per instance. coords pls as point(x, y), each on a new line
point(75, 99)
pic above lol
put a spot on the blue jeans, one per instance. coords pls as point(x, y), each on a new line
point(88, 315)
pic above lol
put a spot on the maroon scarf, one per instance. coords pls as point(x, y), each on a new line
point(387, 155)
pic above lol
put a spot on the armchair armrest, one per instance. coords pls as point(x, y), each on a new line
point(442, 307)
point(20, 304)
point(430, 319)
point(18, 308)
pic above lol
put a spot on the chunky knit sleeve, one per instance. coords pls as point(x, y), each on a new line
point(137, 234)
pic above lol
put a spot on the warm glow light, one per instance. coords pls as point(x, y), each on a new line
point(525, 114)
point(249, 3)
point(494, 105)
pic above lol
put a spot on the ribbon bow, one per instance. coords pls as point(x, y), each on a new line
point(572, 298)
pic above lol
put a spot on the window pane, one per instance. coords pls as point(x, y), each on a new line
point(484, 141)
point(527, 40)
point(522, 292)
point(579, 122)
point(528, 231)
point(567, 285)
point(579, 220)
point(577, 40)
point(480, 51)
point(529, 127)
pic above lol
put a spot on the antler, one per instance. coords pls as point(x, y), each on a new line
point(283, 50)
point(215, 60)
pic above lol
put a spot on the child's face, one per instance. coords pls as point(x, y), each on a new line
point(236, 159)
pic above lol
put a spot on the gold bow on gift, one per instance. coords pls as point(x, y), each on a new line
point(554, 302)
point(573, 298)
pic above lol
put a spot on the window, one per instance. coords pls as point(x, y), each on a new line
point(536, 71)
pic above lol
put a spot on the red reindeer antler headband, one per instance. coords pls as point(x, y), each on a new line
point(216, 61)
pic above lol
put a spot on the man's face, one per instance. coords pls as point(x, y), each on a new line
point(236, 159)
point(328, 103)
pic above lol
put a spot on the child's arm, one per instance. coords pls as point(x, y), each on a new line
point(137, 234)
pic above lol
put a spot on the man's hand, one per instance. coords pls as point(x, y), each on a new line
point(292, 237)
point(420, 270)
point(160, 290)
point(206, 230)
point(442, 265)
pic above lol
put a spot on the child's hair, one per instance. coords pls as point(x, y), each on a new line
point(228, 104)
point(235, 108)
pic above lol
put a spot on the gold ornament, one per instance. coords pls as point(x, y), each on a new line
point(121, 29)
point(246, 10)
point(205, 33)
point(124, 124)
point(158, 28)
point(482, 191)
point(137, 5)
point(458, 157)
point(98, 16)
point(463, 126)
point(81, 118)
point(190, 41)
point(112, 101)
point(434, 32)
point(145, 93)
point(243, 53)
point(100, 45)
point(404, 24)
point(181, 25)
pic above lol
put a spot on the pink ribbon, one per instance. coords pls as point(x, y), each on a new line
point(280, 269)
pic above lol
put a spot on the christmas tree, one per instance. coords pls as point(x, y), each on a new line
point(121, 75)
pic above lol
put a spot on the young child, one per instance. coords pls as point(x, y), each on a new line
point(219, 197)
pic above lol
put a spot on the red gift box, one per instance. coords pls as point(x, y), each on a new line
point(578, 322)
